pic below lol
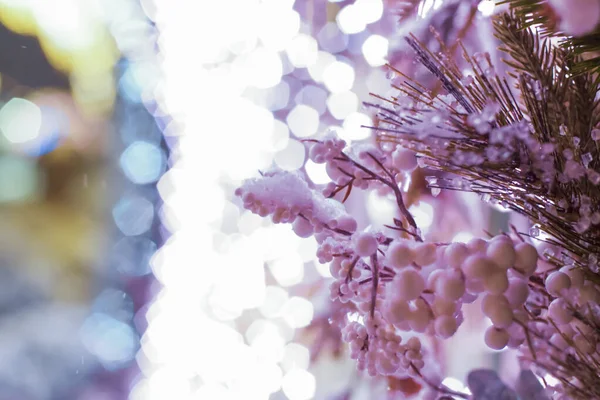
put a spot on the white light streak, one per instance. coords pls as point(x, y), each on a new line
point(191, 349)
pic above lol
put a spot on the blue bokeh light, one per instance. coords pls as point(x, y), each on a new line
point(143, 162)
point(133, 215)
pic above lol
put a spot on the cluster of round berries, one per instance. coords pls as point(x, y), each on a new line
point(432, 282)
point(362, 170)
point(327, 149)
point(278, 193)
point(421, 287)
point(379, 350)
point(354, 283)
point(328, 248)
point(568, 310)
point(309, 224)
point(288, 199)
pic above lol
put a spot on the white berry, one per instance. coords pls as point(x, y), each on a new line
point(443, 307)
point(526, 258)
point(450, 285)
point(576, 275)
point(399, 254)
point(302, 227)
point(557, 282)
point(397, 312)
point(455, 254)
point(517, 292)
point(425, 253)
point(558, 311)
point(502, 252)
point(496, 281)
point(408, 284)
point(477, 266)
point(365, 244)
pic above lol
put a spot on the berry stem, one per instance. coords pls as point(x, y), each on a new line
point(375, 282)
point(389, 183)
point(349, 276)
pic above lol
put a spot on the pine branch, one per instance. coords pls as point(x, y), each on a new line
point(538, 15)
point(516, 149)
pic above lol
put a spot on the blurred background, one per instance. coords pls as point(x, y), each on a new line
point(80, 152)
point(128, 270)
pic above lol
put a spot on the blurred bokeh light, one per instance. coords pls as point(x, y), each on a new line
point(76, 94)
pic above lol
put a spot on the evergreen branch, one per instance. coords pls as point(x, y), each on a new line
point(520, 150)
point(538, 15)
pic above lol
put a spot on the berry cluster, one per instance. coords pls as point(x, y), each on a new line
point(380, 350)
point(403, 284)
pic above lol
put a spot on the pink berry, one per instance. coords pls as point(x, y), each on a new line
point(333, 171)
point(502, 252)
point(557, 282)
point(433, 277)
point(386, 367)
point(396, 312)
point(517, 292)
point(477, 245)
point(445, 326)
point(455, 254)
point(477, 266)
point(502, 317)
point(365, 244)
point(474, 286)
point(399, 254)
point(576, 275)
point(317, 153)
point(526, 258)
point(404, 362)
point(335, 267)
point(451, 285)
point(490, 302)
point(404, 159)
point(420, 316)
point(408, 284)
point(516, 330)
point(443, 307)
point(412, 355)
point(347, 223)
point(496, 281)
point(559, 312)
point(497, 309)
point(302, 227)
point(425, 253)
point(414, 344)
point(496, 338)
